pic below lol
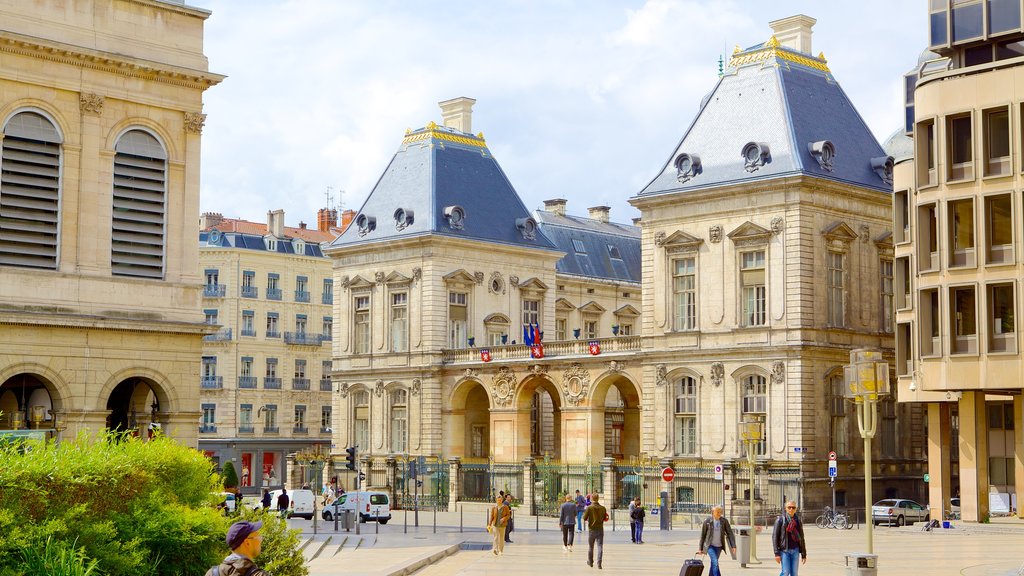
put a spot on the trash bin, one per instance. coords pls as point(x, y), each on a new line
point(347, 520)
point(743, 544)
point(861, 564)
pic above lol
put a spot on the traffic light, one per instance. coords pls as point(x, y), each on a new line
point(350, 458)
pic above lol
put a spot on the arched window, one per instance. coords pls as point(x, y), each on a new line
point(839, 422)
point(30, 192)
point(361, 419)
point(754, 389)
point(140, 190)
point(399, 420)
point(686, 416)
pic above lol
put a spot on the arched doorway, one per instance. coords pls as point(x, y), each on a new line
point(469, 430)
point(26, 403)
point(133, 405)
point(539, 418)
point(615, 418)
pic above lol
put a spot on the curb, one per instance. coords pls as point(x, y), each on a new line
point(424, 561)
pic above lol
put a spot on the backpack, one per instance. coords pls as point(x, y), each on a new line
point(216, 570)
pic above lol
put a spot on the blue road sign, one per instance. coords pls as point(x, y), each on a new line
point(833, 472)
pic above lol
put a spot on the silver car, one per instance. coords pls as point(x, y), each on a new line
point(898, 512)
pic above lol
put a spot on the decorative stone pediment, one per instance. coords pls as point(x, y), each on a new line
point(533, 284)
point(838, 235)
point(680, 242)
point(750, 234)
point(459, 276)
point(497, 318)
point(564, 305)
point(592, 308)
point(397, 278)
point(576, 383)
point(883, 243)
point(627, 310)
point(358, 282)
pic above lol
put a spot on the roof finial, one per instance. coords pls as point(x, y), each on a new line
point(720, 65)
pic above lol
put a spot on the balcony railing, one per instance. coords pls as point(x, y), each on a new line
point(250, 292)
point(271, 430)
point(246, 428)
point(325, 430)
point(300, 383)
point(245, 332)
point(557, 349)
point(211, 382)
point(325, 385)
point(300, 429)
point(222, 335)
point(301, 296)
point(302, 338)
point(246, 381)
point(326, 337)
point(273, 293)
point(207, 428)
point(214, 290)
point(271, 383)
point(327, 298)
point(273, 334)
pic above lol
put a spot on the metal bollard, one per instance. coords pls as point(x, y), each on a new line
point(613, 519)
point(460, 519)
point(435, 518)
point(377, 527)
point(335, 518)
point(405, 521)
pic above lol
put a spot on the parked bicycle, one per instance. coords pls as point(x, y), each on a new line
point(832, 519)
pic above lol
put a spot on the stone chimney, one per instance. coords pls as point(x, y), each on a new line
point(346, 218)
point(555, 206)
point(210, 219)
point(599, 213)
point(457, 113)
point(275, 223)
point(326, 218)
point(794, 32)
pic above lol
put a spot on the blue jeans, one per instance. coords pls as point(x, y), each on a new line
point(790, 562)
point(713, 553)
point(579, 520)
point(639, 531)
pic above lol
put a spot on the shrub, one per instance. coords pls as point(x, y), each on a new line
point(230, 477)
point(279, 554)
point(58, 559)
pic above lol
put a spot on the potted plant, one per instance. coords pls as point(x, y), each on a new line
point(615, 329)
point(472, 341)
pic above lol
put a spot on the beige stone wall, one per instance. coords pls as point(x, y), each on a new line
point(97, 69)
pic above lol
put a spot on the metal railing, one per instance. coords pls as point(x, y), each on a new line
point(300, 429)
point(563, 348)
point(245, 332)
point(271, 383)
point(302, 296)
point(250, 292)
point(222, 335)
point(211, 382)
point(327, 299)
point(246, 381)
point(214, 290)
point(273, 293)
point(302, 338)
point(271, 430)
point(300, 383)
point(325, 385)
point(246, 428)
point(207, 428)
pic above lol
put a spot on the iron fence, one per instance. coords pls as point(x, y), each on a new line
point(432, 473)
point(481, 480)
point(556, 479)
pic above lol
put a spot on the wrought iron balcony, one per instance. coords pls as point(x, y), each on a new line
point(302, 338)
point(207, 428)
point(246, 381)
point(214, 290)
point(273, 293)
point(326, 337)
point(325, 385)
point(250, 292)
point(300, 429)
point(273, 334)
point(302, 296)
point(556, 349)
point(327, 298)
point(271, 430)
point(246, 428)
point(211, 382)
point(271, 383)
point(325, 430)
point(222, 335)
point(244, 332)
point(300, 383)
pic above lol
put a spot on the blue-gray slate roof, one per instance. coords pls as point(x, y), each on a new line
point(218, 239)
point(438, 167)
point(603, 250)
point(785, 99)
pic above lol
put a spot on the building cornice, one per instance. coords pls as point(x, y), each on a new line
point(53, 51)
point(173, 7)
point(53, 318)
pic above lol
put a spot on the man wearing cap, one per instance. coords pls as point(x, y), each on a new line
point(244, 540)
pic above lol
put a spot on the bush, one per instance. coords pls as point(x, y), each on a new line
point(115, 505)
point(230, 477)
point(280, 554)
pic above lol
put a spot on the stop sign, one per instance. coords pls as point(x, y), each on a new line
point(668, 474)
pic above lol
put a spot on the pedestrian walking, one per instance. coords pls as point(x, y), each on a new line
point(714, 534)
point(511, 525)
point(636, 519)
point(595, 515)
point(632, 523)
point(581, 505)
point(496, 520)
point(566, 516)
point(282, 503)
point(788, 540)
point(245, 541)
point(266, 499)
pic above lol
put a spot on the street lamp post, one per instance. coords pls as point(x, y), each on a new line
point(867, 379)
point(752, 433)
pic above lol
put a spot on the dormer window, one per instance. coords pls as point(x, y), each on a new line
point(755, 155)
point(456, 216)
point(299, 246)
point(403, 218)
point(578, 247)
point(883, 165)
point(687, 166)
point(365, 224)
point(271, 243)
point(613, 252)
point(527, 227)
point(824, 152)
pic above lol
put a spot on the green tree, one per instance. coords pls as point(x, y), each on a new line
point(230, 477)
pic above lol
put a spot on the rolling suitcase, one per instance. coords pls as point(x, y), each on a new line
point(692, 567)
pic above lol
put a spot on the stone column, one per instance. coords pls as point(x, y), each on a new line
point(974, 477)
point(608, 482)
point(939, 470)
point(453, 483)
point(528, 488)
point(1018, 450)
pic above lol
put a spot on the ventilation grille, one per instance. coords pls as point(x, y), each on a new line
point(137, 239)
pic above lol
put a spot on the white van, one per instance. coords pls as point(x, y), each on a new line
point(300, 502)
point(371, 506)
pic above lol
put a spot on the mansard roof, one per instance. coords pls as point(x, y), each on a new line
point(770, 115)
point(600, 243)
point(444, 182)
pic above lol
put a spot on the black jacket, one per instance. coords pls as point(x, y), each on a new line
point(780, 540)
point(707, 530)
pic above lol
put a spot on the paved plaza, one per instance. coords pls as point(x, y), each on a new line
point(969, 550)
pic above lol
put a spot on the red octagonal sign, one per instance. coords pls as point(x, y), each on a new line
point(668, 474)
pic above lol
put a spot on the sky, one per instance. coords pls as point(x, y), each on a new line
point(577, 99)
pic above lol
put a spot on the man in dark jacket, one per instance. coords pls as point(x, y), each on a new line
point(566, 519)
point(714, 534)
point(788, 540)
point(245, 541)
point(266, 499)
point(282, 503)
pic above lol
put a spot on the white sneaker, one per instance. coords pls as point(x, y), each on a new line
point(502, 553)
point(565, 548)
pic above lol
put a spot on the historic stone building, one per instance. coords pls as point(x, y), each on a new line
point(265, 386)
point(957, 207)
point(762, 257)
point(101, 117)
